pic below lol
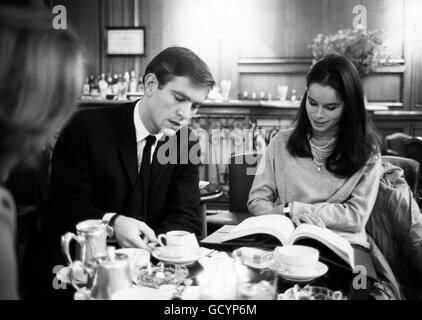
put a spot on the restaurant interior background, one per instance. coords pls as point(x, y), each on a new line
point(259, 45)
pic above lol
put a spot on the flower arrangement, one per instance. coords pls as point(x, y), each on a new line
point(363, 48)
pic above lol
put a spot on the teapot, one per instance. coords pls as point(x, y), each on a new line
point(109, 275)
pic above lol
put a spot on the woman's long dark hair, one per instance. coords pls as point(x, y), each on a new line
point(356, 139)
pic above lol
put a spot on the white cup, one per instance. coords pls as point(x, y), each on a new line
point(297, 259)
point(178, 244)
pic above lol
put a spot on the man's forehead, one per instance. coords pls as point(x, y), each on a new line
point(185, 87)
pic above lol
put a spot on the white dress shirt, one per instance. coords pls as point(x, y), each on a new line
point(141, 134)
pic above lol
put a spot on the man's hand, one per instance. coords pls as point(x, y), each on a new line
point(132, 233)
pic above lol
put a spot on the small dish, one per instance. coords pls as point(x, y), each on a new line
point(161, 274)
point(311, 293)
point(319, 270)
point(161, 255)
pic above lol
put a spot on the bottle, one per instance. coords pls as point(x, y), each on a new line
point(86, 87)
point(94, 86)
point(109, 80)
point(245, 95)
point(253, 95)
point(132, 82)
point(122, 88)
point(91, 83)
point(102, 86)
point(109, 84)
point(293, 98)
point(262, 95)
point(115, 86)
point(126, 79)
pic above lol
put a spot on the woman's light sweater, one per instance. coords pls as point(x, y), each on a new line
point(344, 204)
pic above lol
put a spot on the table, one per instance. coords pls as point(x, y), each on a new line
point(329, 281)
point(192, 291)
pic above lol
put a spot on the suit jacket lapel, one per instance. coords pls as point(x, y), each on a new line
point(128, 146)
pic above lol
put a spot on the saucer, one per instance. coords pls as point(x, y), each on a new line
point(161, 255)
point(319, 270)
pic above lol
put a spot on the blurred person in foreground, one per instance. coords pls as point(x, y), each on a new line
point(40, 78)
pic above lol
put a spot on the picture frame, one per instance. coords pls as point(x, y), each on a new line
point(125, 41)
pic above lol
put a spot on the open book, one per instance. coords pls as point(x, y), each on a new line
point(281, 229)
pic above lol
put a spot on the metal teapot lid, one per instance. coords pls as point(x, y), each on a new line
point(113, 259)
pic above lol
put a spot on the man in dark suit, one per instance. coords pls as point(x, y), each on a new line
point(99, 166)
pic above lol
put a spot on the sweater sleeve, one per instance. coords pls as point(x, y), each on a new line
point(263, 196)
point(8, 263)
point(352, 214)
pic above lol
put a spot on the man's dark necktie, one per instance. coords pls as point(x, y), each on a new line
point(139, 200)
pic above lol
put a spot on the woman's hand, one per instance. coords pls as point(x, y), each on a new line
point(309, 218)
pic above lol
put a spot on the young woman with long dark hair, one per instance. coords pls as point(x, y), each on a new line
point(326, 168)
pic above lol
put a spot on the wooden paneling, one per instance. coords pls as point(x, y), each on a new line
point(264, 74)
point(416, 42)
point(285, 28)
point(268, 83)
point(384, 87)
point(417, 130)
point(83, 17)
point(282, 30)
point(388, 127)
point(230, 34)
point(117, 13)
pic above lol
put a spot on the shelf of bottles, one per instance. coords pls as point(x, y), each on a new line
point(113, 87)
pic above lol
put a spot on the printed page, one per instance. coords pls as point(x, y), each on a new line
point(276, 225)
point(332, 240)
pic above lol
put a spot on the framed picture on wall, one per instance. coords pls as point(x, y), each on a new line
point(125, 41)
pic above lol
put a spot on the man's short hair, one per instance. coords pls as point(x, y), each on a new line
point(180, 62)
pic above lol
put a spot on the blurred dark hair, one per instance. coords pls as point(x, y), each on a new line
point(179, 61)
point(40, 79)
point(356, 139)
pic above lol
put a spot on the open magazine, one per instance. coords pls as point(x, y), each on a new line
point(253, 230)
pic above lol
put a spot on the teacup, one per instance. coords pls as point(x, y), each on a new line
point(178, 244)
point(297, 259)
